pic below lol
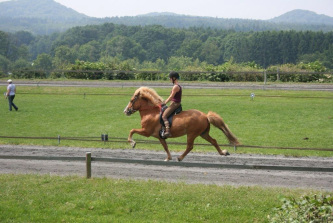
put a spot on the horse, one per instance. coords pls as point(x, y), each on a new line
point(192, 123)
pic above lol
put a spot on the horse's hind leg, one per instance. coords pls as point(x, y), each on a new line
point(207, 137)
point(190, 142)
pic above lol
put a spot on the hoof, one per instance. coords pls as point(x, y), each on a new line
point(225, 152)
point(167, 159)
point(133, 144)
point(179, 159)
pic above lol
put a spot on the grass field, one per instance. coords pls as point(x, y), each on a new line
point(274, 118)
point(32, 198)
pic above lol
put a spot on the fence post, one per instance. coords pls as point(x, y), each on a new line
point(278, 75)
point(88, 165)
point(265, 77)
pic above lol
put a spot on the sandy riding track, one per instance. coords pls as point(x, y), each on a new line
point(196, 168)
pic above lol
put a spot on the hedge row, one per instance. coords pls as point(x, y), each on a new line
point(186, 76)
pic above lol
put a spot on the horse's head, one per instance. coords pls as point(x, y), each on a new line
point(143, 98)
point(132, 106)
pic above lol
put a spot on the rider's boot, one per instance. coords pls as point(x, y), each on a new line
point(167, 129)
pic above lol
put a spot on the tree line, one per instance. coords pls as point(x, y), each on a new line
point(156, 46)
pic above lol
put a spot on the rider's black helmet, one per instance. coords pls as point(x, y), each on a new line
point(174, 74)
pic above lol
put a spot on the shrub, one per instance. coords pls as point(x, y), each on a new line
point(149, 75)
point(2, 74)
point(302, 72)
point(86, 70)
point(124, 76)
point(28, 73)
point(109, 75)
point(316, 208)
point(56, 75)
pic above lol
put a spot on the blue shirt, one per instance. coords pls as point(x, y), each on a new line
point(11, 88)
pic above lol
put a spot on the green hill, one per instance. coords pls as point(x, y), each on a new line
point(44, 17)
point(42, 9)
point(303, 17)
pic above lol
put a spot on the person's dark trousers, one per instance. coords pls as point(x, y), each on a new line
point(11, 103)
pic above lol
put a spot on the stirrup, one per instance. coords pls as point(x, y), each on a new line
point(167, 132)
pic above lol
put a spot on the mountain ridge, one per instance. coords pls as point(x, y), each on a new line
point(303, 16)
point(43, 17)
point(37, 9)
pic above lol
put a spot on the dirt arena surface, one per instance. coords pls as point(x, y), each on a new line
point(171, 173)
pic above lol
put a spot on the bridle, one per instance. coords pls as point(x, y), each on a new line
point(130, 110)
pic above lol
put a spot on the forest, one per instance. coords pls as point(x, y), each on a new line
point(155, 48)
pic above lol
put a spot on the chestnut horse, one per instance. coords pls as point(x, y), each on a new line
point(194, 123)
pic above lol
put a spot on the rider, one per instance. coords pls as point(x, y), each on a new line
point(175, 97)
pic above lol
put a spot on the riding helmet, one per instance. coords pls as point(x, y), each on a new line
point(174, 74)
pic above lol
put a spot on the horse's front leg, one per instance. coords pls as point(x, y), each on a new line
point(165, 146)
point(142, 132)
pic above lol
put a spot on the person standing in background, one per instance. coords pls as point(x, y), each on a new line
point(10, 94)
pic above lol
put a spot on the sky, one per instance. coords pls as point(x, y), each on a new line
point(243, 9)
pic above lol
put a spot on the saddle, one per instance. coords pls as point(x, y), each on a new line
point(163, 108)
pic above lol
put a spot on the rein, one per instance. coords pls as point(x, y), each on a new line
point(131, 110)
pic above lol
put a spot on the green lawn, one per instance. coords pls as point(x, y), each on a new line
point(33, 198)
point(283, 121)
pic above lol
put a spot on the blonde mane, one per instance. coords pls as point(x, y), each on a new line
point(150, 94)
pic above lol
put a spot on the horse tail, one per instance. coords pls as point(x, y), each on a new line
point(218, 122)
